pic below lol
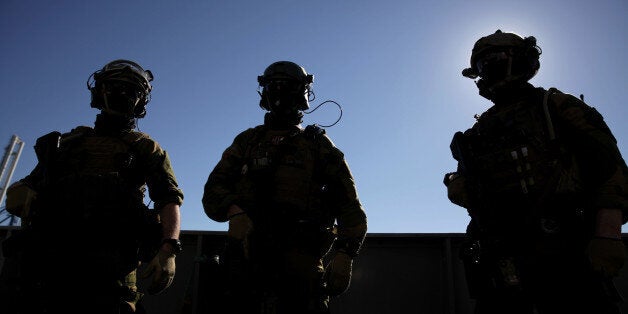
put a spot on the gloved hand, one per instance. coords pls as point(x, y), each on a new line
point(240, 225)
point(338, 273)
point(162, 268)
point(19, 198)
point(607, 256)
point(457, 189)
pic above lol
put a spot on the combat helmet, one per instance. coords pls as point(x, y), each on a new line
point(285, 85)
point(121, 87)
point(502, 58)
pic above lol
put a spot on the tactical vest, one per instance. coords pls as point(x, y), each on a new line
point(95, 180)
point(516, 156)
point(282, 172)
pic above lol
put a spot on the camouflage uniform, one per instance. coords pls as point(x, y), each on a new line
point(294, 184)
point(82, 247)
point(535, 178)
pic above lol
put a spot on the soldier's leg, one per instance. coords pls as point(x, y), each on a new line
point(565, 282)
point(129, 296)
point(301, 284)
point(499, 285)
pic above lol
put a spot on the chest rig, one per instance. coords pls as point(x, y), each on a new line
point(95, 179)
point(515, 152)
point(283, 171)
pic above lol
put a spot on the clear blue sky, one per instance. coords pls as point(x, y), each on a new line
point(394, 66)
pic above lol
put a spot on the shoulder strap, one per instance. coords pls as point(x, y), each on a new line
point(258, 132)
point(133, 137)
point(313, 131)
point(76, 133)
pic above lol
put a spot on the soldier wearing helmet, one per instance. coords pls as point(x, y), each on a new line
point(85, 214)
point(546, 187)
point(121, 88)
point(291, 203)
point(503, 61)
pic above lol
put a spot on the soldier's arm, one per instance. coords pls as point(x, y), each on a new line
point(350, 216)
point(23, 193)
point(162, 185)
point(170, 221)
point(612, 212)
point(456, 182)
point(604, 170)
point(220, 195)
point(608, 223)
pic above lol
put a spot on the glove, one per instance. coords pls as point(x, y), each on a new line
point(338, 274)
point(240, 226)
point(19, 198)
point(607, 255)
point(162, 268)
point(457, 189)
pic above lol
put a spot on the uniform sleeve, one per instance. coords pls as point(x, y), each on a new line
point(602, 167)
point(160, 178)
point(220, 190)
point(351, 218)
